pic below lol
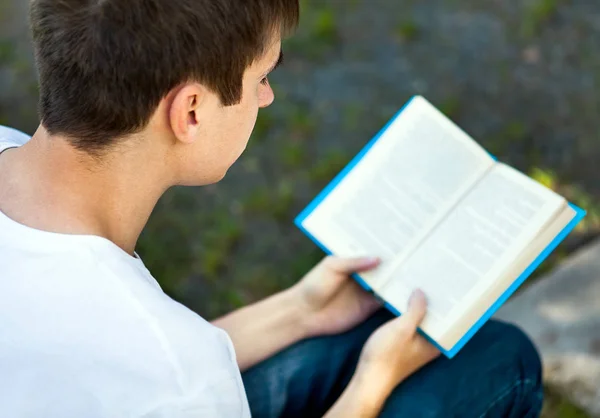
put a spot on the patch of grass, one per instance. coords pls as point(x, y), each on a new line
point(283, 201)
point(280, 93)
point(294, 154)
point(273, 202)
point(7, 52)
point(536, 15)
point(353, 4)
point(513, 133)
point(545, 177)
point(264, 123)
point(250, 163)
point(260, 279)
point(33, 88)
point(589, 225)
point(407, 30)
point(586, 201)
point(558, 256)
point(21, 66)
point(574, 194)
point(166, 247)
point(182, 200)
point(328, 166)
point(302, 46)
point(180, 240)
point(234, 298)
point(556, 406)
point(324, 27)
point(218, 241)
point(258, 201)
point(4, 11)
point(301, 122)
point(450, 107)
point(305, 260)
point(351, 116)
point(213, 261)
point(317, 34)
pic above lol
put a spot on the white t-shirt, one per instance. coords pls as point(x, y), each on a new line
point(86, 331)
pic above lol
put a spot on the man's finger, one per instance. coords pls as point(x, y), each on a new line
point(417, 309)
point(348, 265)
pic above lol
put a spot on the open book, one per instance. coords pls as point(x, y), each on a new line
point(444, 216)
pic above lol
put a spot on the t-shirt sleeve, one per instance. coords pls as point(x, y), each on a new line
point(10, 137)
point(222, 398)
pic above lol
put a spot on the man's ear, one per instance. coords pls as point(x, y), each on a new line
point(184, 114)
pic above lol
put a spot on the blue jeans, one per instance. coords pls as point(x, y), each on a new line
point(496, 374)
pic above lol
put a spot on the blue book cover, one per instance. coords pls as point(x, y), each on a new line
point(448, 351)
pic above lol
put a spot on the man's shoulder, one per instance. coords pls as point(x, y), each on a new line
point(89, 278)
point(96, 287)
point(98, 311)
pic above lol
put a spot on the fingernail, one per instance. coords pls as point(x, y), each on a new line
point(416, 294)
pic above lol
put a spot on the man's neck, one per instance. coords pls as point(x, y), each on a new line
point(49, 185)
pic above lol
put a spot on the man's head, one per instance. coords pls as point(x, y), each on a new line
point(192, 72)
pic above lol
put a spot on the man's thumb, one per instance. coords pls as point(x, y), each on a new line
point(348, 265)
point(417, 308)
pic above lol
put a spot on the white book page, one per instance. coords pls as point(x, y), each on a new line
point(471, 248)
point(479, 305)
point(406, 183)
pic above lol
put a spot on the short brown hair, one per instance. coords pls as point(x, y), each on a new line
point(104, 65)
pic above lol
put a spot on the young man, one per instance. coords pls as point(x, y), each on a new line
point(141, 95)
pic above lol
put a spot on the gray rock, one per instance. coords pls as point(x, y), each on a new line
point(561, 313)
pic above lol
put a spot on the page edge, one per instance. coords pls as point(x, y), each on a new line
point(516, 284)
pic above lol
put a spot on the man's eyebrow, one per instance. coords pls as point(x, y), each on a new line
point(278, 63)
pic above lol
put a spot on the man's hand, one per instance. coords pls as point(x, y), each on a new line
point(392, 353)
point(395, 350)
point(325, 301)
point(332, 302)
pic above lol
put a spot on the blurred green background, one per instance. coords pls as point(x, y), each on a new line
point(519, 76)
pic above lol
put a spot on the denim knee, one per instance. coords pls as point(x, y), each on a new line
point(518, 347)
point(525, 391)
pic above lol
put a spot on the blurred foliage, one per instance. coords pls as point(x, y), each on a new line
point(590, 225)
point(450, 107)
point(407, 30)
point(264, 123)
point(555, 406)
point(318, 32)
point(328, 166)
point(7, 51)
point(574, 194)
point(537, 13)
